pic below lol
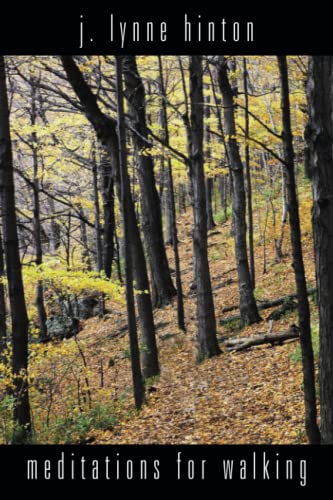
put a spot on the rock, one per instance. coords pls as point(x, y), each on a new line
point(61, 326)
point(86, 308)
point(82, 308)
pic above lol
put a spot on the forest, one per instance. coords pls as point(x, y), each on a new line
point(165, 241)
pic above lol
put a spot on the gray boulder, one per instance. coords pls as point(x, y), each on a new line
point(61, 326)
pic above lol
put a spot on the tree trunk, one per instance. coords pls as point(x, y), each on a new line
point(164, 191)
point(167, 211)
point(209, 179)
point(172, 206)
point(84, 240)
point(97, 217)
point(209, 202)
point(206, 337)
point(3, 326)
point(248, 308)
point(105, 129)
point(18, 310)
point(279, 241)
point(98, 230)
point(320, 140)
point(55, 228)
point(248, 177)
point(266, 338)
point(298, 265)
point(40, 306)
point(162, 286)
point(126, 200)
point(107, 190)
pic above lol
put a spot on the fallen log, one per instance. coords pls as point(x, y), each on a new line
point(266, 338)
point(264, 305)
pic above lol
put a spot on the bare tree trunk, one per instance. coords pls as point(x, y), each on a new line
point(206, 338)
point(209, 202)
point(209, 179)
point(320, 140)
point(248, 177)
point(171, 196)
point(298, 264)
point(248, 307)
point(3, 326)
point(55, 228)
point(97, 216)
point(105, 128)
point(19, 317)
point(106, 182)
point(162, 286)
point(164, 191)
point(222, 179)
point(84, 240)
point(284, 215)
point(98, 229)
point(40, 306)
point(128, 211)
point(166, 199)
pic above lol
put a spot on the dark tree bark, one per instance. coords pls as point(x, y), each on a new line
point(98, 229)
point(105, 128)
point(223, 188)
point(320, 140)
point(164, 191)
point(172, 206)
point(3, 326)
point(55, 227)
point(206, 337)
point(222, 179)
point(18, 310)
point(284, 215)
point(248, 176)
point(162, 286)
point(37, 229)
point(298, 264)
point(97, 216)
point(107, 189)
point(248, 307)
point(84, 240)
point(166, 201)
point(209, 180)
point(126, 200)
point(209, 202)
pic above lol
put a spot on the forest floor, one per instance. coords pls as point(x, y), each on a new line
point(252, 396)
point(82, 387)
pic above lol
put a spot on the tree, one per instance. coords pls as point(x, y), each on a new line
point(206, 338)
point(36, 211)
point(171, 203)
point(298, 264)
point(107, 189)
point(3, 326)
point(105, 128)
point(127, 210)
point(207, 154)
point(248, 307)
point(248, 175)
point(320, 140)
point(18, 310)
point(162, 286)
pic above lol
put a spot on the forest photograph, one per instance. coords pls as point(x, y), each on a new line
point(166, 243)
